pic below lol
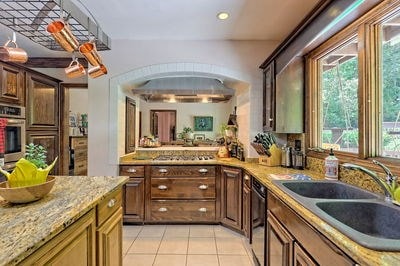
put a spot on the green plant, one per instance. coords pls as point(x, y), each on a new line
point(187, 130)
point(36, 154)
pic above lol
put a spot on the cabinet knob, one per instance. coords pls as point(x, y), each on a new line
point(271, 119)
point(203, 187)
point(203, 170)
point(111, 203)
point(203, 210)
point(246, 177)
point(162, 209)
point(162, 187)
point(163, 170)
point(131, 170)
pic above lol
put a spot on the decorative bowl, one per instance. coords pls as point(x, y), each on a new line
point(28, 193)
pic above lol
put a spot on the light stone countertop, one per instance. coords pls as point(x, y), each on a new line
point(26, 227)
point(360, 254)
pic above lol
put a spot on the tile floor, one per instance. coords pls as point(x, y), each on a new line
point(191, 245)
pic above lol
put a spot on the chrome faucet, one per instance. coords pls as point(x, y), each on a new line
point(389, 176)
point(375, 177)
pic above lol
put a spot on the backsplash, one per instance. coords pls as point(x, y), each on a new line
point(352, 177)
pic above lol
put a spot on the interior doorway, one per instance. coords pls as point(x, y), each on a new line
point(74, 128)
point(163, 125)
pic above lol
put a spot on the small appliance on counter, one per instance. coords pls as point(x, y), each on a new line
point(298, 156)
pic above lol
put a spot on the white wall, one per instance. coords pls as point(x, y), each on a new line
point(241, 56)
point(185, 113)
point(78, 100)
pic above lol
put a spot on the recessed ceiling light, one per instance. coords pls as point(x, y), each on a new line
point(222, 15)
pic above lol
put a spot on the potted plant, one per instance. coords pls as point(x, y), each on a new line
point(187, 133)
point(30, 170)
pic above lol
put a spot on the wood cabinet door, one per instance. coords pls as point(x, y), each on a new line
point(11, 85)
point(269, 98)
point(42, 103)
point(246, 211)
point(50, 141)
point(109, 241)
point(133, 200)
point(301, 257)
point(130, 125)
point(231, 197)
point(279, 250)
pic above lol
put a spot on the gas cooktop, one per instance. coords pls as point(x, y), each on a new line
point(184, 158)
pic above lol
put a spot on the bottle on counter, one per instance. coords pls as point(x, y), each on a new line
point(331, 166)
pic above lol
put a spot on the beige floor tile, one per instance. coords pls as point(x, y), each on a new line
point(202, 260)
point(152, 231)
point(170, 260)
point(202, 245)
point(230, 246)
point(145, 246)
point(177, 231)
point(221, 231)
point(247, 246)
point(126, 244)
point(173, 246)
point(138, 260)
point(131, 230)
point(234, 260)
point(201, 231)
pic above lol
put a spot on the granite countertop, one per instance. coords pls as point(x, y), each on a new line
point(26, 227)
point(360, 254)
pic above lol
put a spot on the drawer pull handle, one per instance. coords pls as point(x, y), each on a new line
point(203, 187)
point(162, 187)
point(131, 170)
point(203, 210)
point(246, 177)
point(163, 171)
point(203, 170)
point(111, 203)
point(162, 209)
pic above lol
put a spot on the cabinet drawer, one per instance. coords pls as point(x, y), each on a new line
point(80, 167)
point(77, 143)
point(131, 170)
point(80, 154)
point(108, 206)
point(183, 187)
point(176, 171)
point(183, 210)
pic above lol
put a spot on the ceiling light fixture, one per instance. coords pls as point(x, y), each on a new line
point(222, 15)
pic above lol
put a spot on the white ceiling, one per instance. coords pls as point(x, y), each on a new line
point(187, 20)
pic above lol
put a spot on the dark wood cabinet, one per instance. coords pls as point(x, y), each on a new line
point(50, 141)
point(279, 247)
point(130, 125)
point(42, 103)
point(269, 104)
point(12, 89)
point(133, 194)
point(285, 228)
point(231, 197)
point(246, 224)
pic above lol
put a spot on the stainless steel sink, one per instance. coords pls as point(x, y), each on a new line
point(361, 215)
point(326, 190)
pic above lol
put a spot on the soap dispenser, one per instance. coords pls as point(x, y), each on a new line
point(331, 166)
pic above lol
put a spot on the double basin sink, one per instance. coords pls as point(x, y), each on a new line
point(361, 215)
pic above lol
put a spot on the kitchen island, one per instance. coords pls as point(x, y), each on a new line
point(36, 231)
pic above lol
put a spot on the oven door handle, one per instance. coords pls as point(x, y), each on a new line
point(259, 195)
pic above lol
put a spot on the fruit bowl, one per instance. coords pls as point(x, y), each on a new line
point(28, 193)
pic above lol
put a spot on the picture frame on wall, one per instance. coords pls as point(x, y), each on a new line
point(203, 123)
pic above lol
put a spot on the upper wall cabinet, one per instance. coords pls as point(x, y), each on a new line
point(269, 97)
point(41, 103)
point(11, 84)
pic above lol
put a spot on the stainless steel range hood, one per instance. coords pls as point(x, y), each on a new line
point(184, 89)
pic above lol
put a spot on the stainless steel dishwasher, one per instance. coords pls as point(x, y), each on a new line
point(258, 217)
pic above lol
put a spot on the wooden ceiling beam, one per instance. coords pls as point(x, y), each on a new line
point(52, 62)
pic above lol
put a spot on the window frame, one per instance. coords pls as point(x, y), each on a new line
point(367, 29)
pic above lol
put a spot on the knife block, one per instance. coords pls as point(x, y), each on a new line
point(274, 159)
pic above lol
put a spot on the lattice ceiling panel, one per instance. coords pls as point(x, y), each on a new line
point(30, 18)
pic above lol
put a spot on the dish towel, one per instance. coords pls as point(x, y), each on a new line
point(3, 124)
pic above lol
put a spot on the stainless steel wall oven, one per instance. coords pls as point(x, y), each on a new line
point(14, 133)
